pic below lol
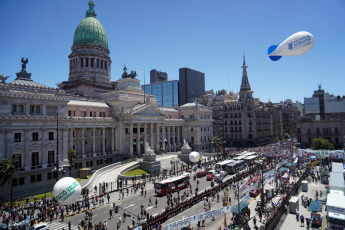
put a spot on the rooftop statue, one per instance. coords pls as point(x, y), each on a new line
point(24, 62)
point(185, 144)
point(3, 78)
point(133, 74)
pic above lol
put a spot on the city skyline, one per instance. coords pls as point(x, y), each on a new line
point(210, 38)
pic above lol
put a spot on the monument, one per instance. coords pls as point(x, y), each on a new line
point(149, 163)
point(185, 151)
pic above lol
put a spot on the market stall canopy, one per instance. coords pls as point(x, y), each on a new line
point(315, 206)
point(242, 206)
point(269, 187)
point(283, 169)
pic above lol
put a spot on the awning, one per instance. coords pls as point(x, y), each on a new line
point(269, 187)
point(336, 215)
point(288, 164)
point(315, 206)
point(242, 206)
point(312, 157)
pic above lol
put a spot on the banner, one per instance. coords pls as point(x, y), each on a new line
point(243, 186)
point(273, 171)
point(268, 180)
point(213, 213)
point(245, 199)
point(138, 228)
point(180, 223)
point(255, 179)
point(279, 165)
point(249, 188)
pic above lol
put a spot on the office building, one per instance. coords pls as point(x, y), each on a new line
point(166, 93)
point(191, 85)
point(158, 76)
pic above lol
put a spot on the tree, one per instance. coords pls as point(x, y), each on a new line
point(217, 144)
point(71, 155)
point(8, 172)
point(320, 143)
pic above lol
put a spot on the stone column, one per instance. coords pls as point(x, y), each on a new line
point(9, 139)
point(27, 153)
point(64, 144)
point(151, 135)
point(131, 139)
point(71, 138)
point(112, 140)
point(138, 138)
point(3, 144)
point(145, 135)
point(169, 134)
point(94, 141)
point(83, 141)
point(173, 135)
point(157, 137)
point(178, 135)
point(163, 136)
point(44, 152)
point(103, 139)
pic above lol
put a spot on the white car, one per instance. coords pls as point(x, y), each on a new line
point(211, 172)
point(223, 173)
point(42, 226)
point(219, 177)
point(186, 174)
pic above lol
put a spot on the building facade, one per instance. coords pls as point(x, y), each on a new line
point(247, 119)
point(103, 121)
point(166, 93)
point(158, 76)
point(324, 116)
point(191, 85)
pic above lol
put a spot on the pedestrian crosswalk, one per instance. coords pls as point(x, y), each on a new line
point(61, 225)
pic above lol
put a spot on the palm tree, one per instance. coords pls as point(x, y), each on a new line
point(217, 144)
point(8, 172)
point(71, 155)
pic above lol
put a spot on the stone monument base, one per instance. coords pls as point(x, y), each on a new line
point(151, 167)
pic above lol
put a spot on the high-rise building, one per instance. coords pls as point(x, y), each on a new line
point(158, 76)
point(191, 85)
point(166, 93)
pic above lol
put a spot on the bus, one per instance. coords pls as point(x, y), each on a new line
point(250, 160)
point(235, 167)
point(221, 166)
point(171, 185)
point(250, 154)
point(239, 158)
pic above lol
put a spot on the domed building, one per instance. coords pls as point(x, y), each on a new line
point(89, 62)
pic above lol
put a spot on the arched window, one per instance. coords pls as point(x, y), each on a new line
point(81, 62)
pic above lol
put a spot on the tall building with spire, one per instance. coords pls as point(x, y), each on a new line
point(247, 118)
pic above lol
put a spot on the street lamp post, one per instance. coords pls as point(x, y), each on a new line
point(262, 187)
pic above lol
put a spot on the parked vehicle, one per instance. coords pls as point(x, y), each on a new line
point(254, 192)
point(209, 177)
point(41, 226)
point(211, 172)
point(219, 177)
point(200, 174)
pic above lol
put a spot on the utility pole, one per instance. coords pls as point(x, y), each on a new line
point(262, 187)
point(57, 144)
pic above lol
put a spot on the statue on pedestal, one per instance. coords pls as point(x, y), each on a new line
point(185, 144)
point(24, 62)
point(147, 148)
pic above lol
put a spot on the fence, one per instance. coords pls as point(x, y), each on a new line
point(273, 224)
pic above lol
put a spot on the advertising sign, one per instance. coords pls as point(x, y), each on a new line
point(213, 213)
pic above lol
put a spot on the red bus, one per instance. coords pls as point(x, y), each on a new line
point(165, 186)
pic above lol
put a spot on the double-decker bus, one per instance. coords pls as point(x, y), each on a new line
point(235, 167)
point(171, 185)
point(221, 166)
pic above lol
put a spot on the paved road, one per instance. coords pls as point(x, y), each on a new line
point(132, 203)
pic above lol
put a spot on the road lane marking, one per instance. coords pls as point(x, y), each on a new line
point(129, 205)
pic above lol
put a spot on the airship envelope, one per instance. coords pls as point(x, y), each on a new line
point(297, 44)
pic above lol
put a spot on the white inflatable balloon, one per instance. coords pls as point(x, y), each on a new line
point(67, 191)
point(297, 44)
point(194, 156)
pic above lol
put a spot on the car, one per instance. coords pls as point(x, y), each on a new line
point(254, 192)
point(211, 172)
point(200, 174)
point(209, 177)
point(208, 169)
point(223, 173)
point(219, 177)
point(41, 226)
point(186, 174)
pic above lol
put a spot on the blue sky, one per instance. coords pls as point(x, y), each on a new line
point(208, 36)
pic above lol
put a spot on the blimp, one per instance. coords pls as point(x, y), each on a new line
point(297, 44)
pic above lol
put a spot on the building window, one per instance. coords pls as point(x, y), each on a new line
point(51, 157)
point(17, 108)
point(21, 180)
point(92, 60)
point(81, 62)
point(70, 113)
point(86, 62)
point(192, 140)
point(14, 182)
point(191, 129)
point(34, 159)
point(80, 165)
point(97, 63)
point(35, 136)
point(18, 163)
point(51, 136)
point(49, 176)
point(39, 177)
point(101, 64)
point(337, 140)
point(87, 164)
point(17, 137)
point(336, 130)
point(33, 179)
point(309, 139)
point(35, 109)
point(91, 163)
point(317, 130)
point(90, 114)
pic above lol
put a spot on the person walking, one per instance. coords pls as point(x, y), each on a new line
point(150, 201)
point(302, 220)
point(156, 202)
point(69, 225)
point(254, 220)
point(297, 214)
point(110, 213)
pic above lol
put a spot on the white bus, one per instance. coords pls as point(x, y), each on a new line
point(221, 166)
point(239, 158)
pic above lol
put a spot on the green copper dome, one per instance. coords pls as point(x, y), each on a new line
point(90, 31)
